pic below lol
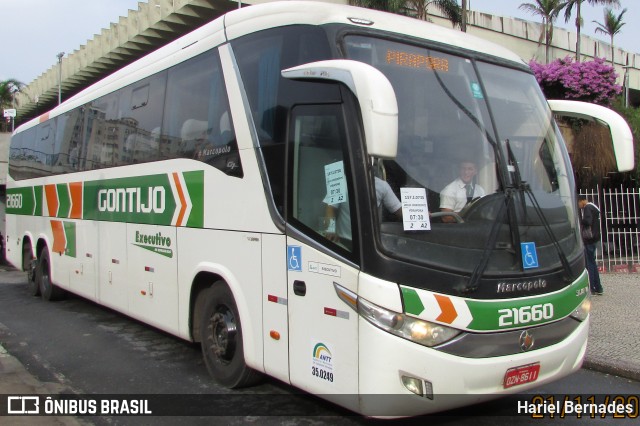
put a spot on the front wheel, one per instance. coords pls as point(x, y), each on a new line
point(221, 339)
point(48, 290)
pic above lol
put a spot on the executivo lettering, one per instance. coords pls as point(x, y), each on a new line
point(156, 243)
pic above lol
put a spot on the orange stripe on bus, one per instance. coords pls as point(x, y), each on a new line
point(448, 313)
point(59, 240)
point(52, 199)
point(44, 117)
point(183, 201)
point(75, 189)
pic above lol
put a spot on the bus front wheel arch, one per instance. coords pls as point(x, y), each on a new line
point(221, 338)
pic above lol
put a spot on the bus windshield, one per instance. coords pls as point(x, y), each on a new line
point(481, 140)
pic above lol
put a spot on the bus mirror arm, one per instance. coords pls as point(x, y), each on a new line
point(376, 99)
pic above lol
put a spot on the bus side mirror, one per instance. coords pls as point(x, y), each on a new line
point(621, 135)
point(375, 95)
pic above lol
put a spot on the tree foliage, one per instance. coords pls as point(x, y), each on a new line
point(416, 8)
point(592, 81)
point(612, 25)
point(577, 5)
point(549, 11)
point(7, 89)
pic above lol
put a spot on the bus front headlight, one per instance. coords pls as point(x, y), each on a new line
point(582, 311)
point(423, 332)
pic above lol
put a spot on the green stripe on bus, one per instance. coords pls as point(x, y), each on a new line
point(412, 303)
point(64, 200)
point(195, 186)
point(37, 200)
point(70, 236)
point(141, 199)
point(527, 311)
point(495, 315)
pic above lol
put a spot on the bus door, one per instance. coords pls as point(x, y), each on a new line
point(323, 333)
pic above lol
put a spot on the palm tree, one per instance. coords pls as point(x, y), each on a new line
point(549, 10)
point(393, 6)
point(415, 8)
point(7, 90)
point(578, 3)
point(611, 26)
point(463, 24)
point(449, 8)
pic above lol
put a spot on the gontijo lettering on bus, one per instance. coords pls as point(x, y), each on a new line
point(163, 199)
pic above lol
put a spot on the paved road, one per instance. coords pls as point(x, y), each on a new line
point(75, 346)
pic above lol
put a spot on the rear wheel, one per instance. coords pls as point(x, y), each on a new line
point(221, 339)
point(30, 265)
point(48, 290)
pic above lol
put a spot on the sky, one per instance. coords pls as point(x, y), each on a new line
point(35, 31)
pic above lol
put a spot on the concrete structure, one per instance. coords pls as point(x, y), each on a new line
point(158, 22)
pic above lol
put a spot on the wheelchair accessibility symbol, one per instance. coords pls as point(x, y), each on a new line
point(294, 258)
point(529, 255)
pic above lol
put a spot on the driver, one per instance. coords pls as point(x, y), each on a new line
point(461, 191)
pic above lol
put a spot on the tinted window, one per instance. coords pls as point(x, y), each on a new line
point(198, 123)
point(261, 57)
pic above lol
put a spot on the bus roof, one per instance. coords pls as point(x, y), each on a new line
point(247, 20)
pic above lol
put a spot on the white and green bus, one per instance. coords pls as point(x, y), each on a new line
point(224, 189)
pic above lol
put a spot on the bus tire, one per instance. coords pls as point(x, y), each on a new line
point(32, 284)
point(221, 339)
point(48, 290)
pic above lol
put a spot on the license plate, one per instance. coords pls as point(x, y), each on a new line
point(521, 375)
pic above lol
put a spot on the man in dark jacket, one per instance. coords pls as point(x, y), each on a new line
point(591, 221)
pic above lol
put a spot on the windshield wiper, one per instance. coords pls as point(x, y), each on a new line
point(520, 186)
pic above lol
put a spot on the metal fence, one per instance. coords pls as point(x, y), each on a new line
point(620, 218)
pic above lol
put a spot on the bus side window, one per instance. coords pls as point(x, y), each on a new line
point(318, 169)
point(197, 121)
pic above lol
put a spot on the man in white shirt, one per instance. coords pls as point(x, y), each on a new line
point(461, 191)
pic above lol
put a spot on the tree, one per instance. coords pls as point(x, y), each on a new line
point(449, 8)
point(612, 25)
point(591, 81)
point(463, 24)
point(8, 89)
point(549, 11)
point(393, 6)
point(577, 4)
point(416, 8)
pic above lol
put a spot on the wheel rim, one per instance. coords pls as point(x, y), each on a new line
point(223, 333)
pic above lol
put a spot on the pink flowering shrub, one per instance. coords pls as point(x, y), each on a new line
point(592, 81)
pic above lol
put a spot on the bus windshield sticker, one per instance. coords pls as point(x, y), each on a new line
point(415, 213)
point(336, 183)
point(476, 90)
point(529, 255)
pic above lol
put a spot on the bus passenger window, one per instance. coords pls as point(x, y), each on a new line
point(197, 117)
